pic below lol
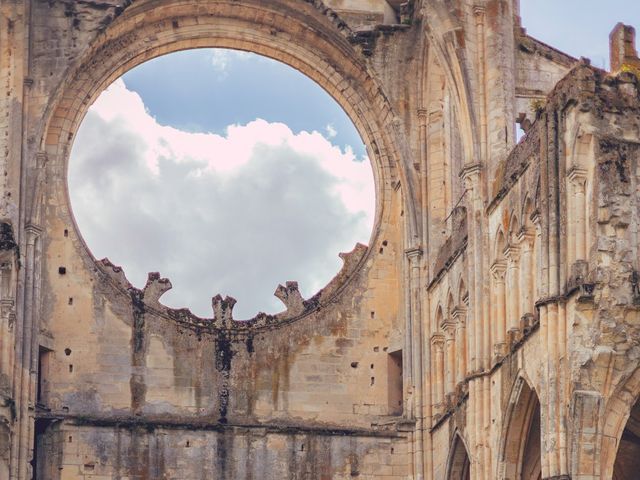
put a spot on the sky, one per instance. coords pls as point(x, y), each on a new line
point(230, 173)
point(578, 27)
point(235, 210)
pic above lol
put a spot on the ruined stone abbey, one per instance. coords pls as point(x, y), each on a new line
point(490, 330)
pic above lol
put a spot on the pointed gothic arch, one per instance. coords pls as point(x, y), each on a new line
point(520, 444)
point(459, 463)
point(627, 461)
point(462, 292)
point(499, 245)
point(620, 431)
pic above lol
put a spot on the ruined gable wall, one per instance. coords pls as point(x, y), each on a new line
point(124, 369)
point(543, 237)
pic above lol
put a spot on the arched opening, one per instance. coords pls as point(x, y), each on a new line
point(452, 350)
point(459, 465)
point(527, 238)
point(627, 463)
point(460, 317)
point(225, 171)
point(521, 444)
point(322, 54)
point(531, 466)
point(438, 360)
point(512, 255)
point(5, 442)
point(499, 271)
point(619, 421)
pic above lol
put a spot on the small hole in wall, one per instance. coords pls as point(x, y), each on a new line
point(67, 351)
point(392, 450)
point(372, 365)
point(70, 368)
point(70, 439)
point(70, 300)
point(402, 213)
point(381, 250)
point(89, 467)
point(373, 381)
point(373, 314)
point(354, 364)
point(66, 232)
point(376, 349)
point(302, 447)
point(385, 349)
point(385, 243)
point(65, 409)
point(188, 444)
point(62, 270)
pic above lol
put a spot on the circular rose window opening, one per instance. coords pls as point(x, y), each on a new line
point(225, 171)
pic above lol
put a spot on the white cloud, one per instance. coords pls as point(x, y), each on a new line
point(222, 57)
point(233, 214)
point(331, 131)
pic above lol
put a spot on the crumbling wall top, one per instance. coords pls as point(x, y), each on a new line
point(622, 49)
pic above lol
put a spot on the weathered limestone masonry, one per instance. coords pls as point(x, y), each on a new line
point(490, 330)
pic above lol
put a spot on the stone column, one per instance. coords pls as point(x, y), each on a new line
point(6, 318)
point(437, 346)
point(527, 271)
point(512, 254)
point(450, 371)
point(498, 270)
point(578, 179)
point(460, 319)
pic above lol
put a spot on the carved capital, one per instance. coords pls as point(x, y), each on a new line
point(498, 270)
point(578, 178)
point(536, 218)
point(479, 10)
point(460, 315)
point(413, 253)
point(448, 325)
point(33, 229)
point(437, 341)
point(526, 237)
point(41, 159)
point(33, 232)
point(6, 308)
point(470, 173)
point(512, 253)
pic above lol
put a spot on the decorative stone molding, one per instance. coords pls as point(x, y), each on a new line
point(498, 270)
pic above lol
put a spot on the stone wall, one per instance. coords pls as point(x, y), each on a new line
point(489, 330)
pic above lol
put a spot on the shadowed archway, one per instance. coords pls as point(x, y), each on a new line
point(627, 463)
point(520, 453)
point(459, 465)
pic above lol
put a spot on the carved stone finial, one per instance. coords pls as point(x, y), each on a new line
point(352, 258)
point(114, 272)
point(291, 297)
point(222, 309)
point(156, 287)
